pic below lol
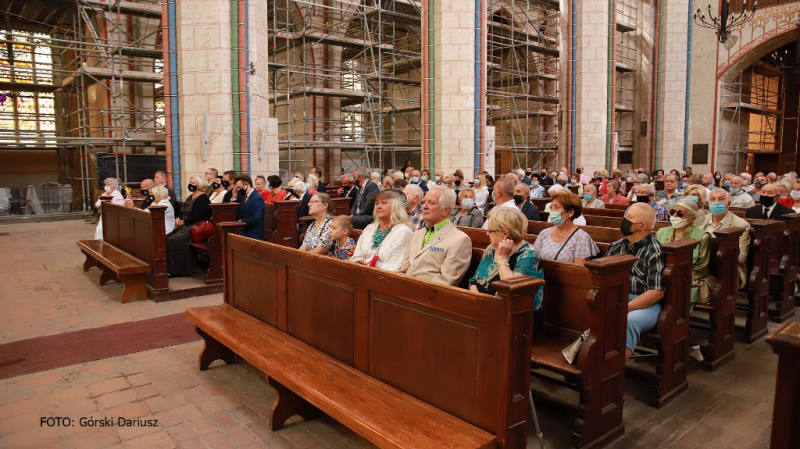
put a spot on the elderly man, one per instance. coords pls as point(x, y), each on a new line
point(438, 252)
point(646, 194)
point(708, 183)
point(522, 178)
point(740, 198)
point(503, 195)
point(349, 189)
point(719, 203)
point(671, 194)
point(647, 282)
point(362, 207)
point(414, 194)
point(161, 178)
point(521, 194)
point(416, 179)
point(769, 207)
point(144, 187)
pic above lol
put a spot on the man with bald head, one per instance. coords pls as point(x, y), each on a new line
point(144, 187)
point(503, 194)
point(647, 281)
point(740, 198)
point(769, 207)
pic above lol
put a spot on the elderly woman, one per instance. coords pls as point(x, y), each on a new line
point(698, 193)
point(793, 201)
point(318, 235)
point(194, 210)
point(565, 241)
point(111, 189)
point(508, 255)
point(613, 195)
point(311, 184)
point(481, 191)
point(589, 199)
point(161, 198)
point(638, 180)
point(682, 216)
point(469, 215)
point(383, 243)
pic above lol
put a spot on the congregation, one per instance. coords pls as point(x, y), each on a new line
point(409, 221)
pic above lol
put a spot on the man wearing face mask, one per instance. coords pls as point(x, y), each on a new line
point(721, 218)
point(361, 209)
point(521, 195)
point(251, 208)
point(647, 281)
point(545, 180)
point(144, 188)
point(228, 178)
point(523, 177)
point(416, 179)
point(769, 207)
point(646, 194)
point(740, 198)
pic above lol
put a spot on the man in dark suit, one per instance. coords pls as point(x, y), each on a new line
point(769, 207)
point(144, 187)
point(321, 187)
point(161, 178)
point(349, 189)
point(228, 179)
point(416, 179)
point(251, 208)
point(361, 209)
point(521, 194)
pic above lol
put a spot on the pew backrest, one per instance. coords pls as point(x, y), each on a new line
point(286, 230)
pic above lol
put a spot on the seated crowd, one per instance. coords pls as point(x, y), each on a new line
point(411, 221)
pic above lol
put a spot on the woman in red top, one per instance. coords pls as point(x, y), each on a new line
point(274, 193)
point(613, 196)
point(793, 197)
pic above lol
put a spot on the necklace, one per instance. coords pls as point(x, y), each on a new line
point(379, 236)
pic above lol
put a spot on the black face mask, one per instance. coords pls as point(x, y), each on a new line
point(579, 171)
point(643, 199)
point(767, 201)
point(528, 174)
point(563, 184)
point(519, 198)
point(192, 187)
point(457, 182)
point(291, 192)
point(215, 185)
point(625, 227)
point(225, 183)
point(144, 192)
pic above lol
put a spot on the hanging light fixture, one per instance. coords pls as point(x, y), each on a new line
point(726, 20)
point(783, 60)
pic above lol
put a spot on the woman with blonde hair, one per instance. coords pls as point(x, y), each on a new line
point(481, 191)
point(161, 198)
point(698, 194)
point(196, 208)
point(383, 242)
point(311, 184)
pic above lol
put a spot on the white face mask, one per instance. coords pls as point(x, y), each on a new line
point(678, 222)
point(795, 195)
point(108, 188)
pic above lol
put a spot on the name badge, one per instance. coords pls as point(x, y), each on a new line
point(436, 249)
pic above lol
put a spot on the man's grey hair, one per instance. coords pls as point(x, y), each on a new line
point(644, 178)
point(720, 189)
point(448, 198)
point(362, 172)
point(746, 177)
point(555, 189)
point(415, 189)
point(647, 186)
point(347, 177)
point(520, 172)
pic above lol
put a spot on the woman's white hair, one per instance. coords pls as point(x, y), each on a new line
point(555, 189)
point(202, 182)
point(297, 185)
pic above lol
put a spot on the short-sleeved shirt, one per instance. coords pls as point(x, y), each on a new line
point(580, 246)
point(524, 261)
point(647, 272)
point(319, 235)
point(345, 251)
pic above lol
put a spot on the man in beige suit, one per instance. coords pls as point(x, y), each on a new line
point(438, 252)
point(719, 203)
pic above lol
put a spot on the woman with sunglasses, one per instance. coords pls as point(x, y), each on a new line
point(682, 216)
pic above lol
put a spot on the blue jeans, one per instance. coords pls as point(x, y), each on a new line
point(641, 320)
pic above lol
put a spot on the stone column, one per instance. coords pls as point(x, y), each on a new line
point(263, 129)
point(673, 41)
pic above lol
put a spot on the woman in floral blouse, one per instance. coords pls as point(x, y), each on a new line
point(318, 235)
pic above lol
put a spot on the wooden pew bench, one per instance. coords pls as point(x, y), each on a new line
point(785, 342)
point(116, 264)
point(212, 249)
point(402, 362)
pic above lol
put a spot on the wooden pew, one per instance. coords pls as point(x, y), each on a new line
point(721, 308)
point(762, 232)
point(270, 221)
point(286, 232)
point(402, 362)
point(787, 269)
point(341, 206)
point(212, 249)
point(592, 297)
point(785, 342)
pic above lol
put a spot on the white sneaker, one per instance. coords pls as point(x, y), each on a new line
point(694, 351)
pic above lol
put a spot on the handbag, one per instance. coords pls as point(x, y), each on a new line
point(202, 231)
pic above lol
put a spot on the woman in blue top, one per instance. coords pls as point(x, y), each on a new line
point(508, 255)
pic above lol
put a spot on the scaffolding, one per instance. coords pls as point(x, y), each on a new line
point(753, 105)
point(345, 81)
point(522, 97)
point(625, 84)
point(104, 80)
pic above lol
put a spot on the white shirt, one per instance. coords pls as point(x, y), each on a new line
point(390, 252)
point(509, 203)
point(169, 215)
point(481, 195)
point(768, 210)
point(742, 199)
point(217, 197)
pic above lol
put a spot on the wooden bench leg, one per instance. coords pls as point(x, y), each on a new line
point(757, 314)
point(89, 262)
point(286, 405)
point(213, 351)
point(135, 286)
point(107, 275)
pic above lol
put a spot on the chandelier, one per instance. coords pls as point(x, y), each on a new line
point(725, 22)
point(782, 59)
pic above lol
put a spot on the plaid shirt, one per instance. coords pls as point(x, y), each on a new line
point(668, 201)
point(647, 271)
point(661, 213)
point(416, 217)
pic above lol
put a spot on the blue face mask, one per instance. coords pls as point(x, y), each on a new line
point(467, 203)
point(308, 187)
point(424, 178)
point(477, 182)
point(493, 200)
point(726, 183)
point(555, 218)
point(587, 196)
point(717, 208)
point(734, 190)
point(534, 184)
point(414, 179)
point(684, 185)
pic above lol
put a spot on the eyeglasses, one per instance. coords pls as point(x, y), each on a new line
point(676, 213)
point(314, 201)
